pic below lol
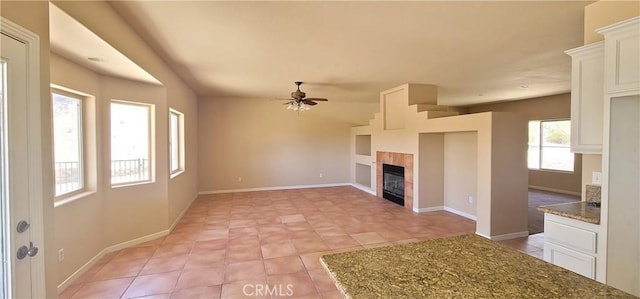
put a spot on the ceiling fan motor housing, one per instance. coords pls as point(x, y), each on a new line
point(298, 94)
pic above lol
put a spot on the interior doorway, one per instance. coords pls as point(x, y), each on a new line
point(540, 198)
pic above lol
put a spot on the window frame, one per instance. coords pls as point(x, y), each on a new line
point(180, 140)
point(150, 143)
point(82, 147)
point(541, 147)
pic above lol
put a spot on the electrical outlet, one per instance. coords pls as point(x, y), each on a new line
point(61, 255)
point(596, 177)
point(321, 175)
point(239, 179)
point(470, 199)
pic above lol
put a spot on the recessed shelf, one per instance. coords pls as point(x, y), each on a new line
point(363, 174)
point(363, 145)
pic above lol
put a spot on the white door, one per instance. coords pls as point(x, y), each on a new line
point(15, 147)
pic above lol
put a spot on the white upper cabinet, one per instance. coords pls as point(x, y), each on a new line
point(587, 98)
point(622, 48)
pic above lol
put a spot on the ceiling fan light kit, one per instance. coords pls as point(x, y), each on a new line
point(298, 106)
point(298, 102)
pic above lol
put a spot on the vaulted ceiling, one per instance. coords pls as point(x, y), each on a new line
point(350, 51)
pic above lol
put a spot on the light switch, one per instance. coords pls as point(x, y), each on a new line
point(596, 177)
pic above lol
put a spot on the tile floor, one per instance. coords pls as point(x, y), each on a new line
point(264, 243)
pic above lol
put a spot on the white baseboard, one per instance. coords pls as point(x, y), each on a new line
point(67, 282)
point(364, 188)
point(175, 222)
point(136, 241)
point(505, 236)
point(555, 190)
point(429, 209)
point(461, 213)
point(273, 188)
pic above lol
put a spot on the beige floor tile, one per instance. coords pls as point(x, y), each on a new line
point(113, 288)
point(200, 277)
point(284, 265)
point(227, 242)
point(153, 284)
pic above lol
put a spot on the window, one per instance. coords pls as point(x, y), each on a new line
point(67, 142)
point(130, 142)
point(549, 145)
point(176, 141)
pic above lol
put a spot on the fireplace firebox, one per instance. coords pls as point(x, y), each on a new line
point(393, 183)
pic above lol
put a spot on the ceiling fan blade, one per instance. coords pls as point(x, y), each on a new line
point(309, 102)
point(316, 99)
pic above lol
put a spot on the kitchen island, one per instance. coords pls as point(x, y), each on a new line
point(466, 266)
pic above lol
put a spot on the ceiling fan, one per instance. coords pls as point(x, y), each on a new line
point(299, 102)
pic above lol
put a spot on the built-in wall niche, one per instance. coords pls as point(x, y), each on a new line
point(363, 174)
point(363, 145)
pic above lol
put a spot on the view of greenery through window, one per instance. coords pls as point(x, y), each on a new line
point(67, 143)
point(130, 142)
point(549, 145)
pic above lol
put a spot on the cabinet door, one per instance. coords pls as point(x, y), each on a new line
point(622, 48)
point(570, 236)
point(571, 260)
point(587, 98)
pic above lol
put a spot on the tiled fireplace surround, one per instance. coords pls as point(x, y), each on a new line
point(398, 159)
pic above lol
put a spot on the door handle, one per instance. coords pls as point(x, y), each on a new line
point(23, 251)
point(23, 226)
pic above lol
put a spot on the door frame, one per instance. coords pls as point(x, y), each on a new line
point(34, 139)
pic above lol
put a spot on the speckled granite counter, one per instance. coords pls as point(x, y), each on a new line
point(577, 210)
point(459, 267)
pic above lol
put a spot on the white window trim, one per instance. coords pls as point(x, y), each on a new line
point(82, 97)
point(181, 144)
point(540, 147)
point(150, 139)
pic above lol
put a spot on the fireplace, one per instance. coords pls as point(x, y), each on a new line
point(404, 162)
point(393, 183)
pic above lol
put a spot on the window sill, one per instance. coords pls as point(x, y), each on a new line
point(70, 199)
point(131, 184)
point(552, 170)
point(177, 173)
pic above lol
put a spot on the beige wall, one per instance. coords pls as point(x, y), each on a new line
point(100, 18)
point(606, 12)
point(79, 224)
point(550, 107)
point(431, 170)
point(109, 216)
point(461, 171)
point(501, 186)
point(137, 210)
point(34, 16)
point(265, 145)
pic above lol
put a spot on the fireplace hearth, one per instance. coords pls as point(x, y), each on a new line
point(393, 183)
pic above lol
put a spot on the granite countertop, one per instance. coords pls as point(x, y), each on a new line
point(582, 210)
point(466, 266)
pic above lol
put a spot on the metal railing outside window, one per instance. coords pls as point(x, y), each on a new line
point(132, 170)
point(67, 177)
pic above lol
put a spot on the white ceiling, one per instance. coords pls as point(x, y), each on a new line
point(350, 51)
